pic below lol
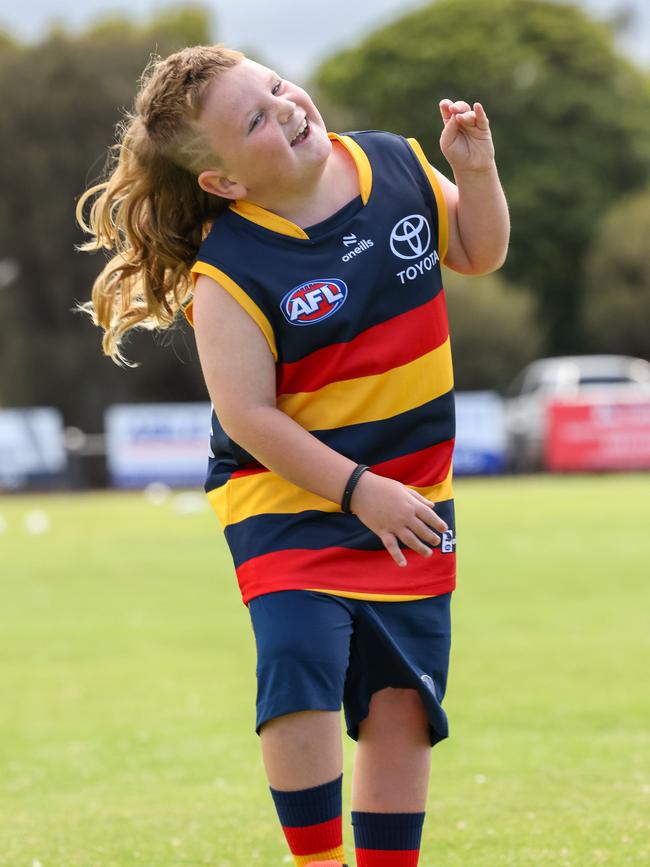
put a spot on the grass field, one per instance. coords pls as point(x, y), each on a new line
point(127, 685)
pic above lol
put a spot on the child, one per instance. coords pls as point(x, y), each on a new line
point(321, 328)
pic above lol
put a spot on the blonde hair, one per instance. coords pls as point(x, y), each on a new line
point(151, 213)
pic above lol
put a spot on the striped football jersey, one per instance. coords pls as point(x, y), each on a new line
point(353, 311)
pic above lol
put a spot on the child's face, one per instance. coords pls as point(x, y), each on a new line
point(256, 123)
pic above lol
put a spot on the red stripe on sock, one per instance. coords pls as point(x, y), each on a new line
point(315, 838)
point(387, 857)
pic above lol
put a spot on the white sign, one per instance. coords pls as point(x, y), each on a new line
point(157, 442)
point(480, 433)
point(31, 445)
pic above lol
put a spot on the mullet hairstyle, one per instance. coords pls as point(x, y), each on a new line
point(150, 213)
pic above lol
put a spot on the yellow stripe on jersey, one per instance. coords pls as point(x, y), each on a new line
point(443, 219)
point(362, 163)
point(267, 493)
point(261, 494)
point(373, 398)
point(268, 219)
point(241, 297)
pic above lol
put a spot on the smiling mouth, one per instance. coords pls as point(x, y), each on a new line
point(302, 134)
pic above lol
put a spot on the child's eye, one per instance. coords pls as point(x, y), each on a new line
point(258, 117)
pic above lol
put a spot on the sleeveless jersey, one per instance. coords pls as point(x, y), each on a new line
point(353, 310)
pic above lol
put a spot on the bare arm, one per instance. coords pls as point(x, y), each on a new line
point(240, 376)
point(479, 223)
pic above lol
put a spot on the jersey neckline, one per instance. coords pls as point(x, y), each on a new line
point(275, 223)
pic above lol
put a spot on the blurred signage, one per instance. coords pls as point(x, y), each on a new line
point(31, 446)
point(598, 435)
point(480, 433)
point(157, 443)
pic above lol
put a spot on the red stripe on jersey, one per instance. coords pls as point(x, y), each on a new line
point(251, 471)
point(387, 857)
point(348, 569)
point(427, 467)
point(314, 838)
point(376, 350)
point(422, 468)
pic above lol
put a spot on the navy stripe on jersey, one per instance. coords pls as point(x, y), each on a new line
point(378, 441)
point(369, 443)
point(310, 530)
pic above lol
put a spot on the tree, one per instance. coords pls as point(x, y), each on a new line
point(493, 331)
point(59, 103)
point(617, 294)
point(570, 118)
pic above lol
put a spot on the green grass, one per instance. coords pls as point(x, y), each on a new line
point(127, 686)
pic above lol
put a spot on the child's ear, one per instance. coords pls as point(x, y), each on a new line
point(219, 185)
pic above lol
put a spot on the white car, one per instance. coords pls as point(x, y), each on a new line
point(562, 378)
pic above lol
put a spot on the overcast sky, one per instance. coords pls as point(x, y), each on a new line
point(293, 35)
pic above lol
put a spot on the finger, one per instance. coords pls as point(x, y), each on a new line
point(450, 133)
point(432, 519)
point(467, 118)
point(391, 545)
point(482, 121)
point(411, 540)
point(422, 499)
point(440, 524)
point(444, 109)
point(425, 533)
point(459, 107)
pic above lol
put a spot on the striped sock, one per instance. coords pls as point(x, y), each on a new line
point(311, 821)
point(387, 839)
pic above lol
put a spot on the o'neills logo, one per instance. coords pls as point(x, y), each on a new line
point(359, 246)
point(314, 301)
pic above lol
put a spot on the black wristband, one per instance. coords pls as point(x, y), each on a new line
point(357, 472)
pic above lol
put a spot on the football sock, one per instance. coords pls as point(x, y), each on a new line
point(311, 821)
point(387, 839)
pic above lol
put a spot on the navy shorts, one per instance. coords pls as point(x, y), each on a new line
point(316, 651)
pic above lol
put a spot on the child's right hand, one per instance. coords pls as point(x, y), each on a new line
point(397, 514)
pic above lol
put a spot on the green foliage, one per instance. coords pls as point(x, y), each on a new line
point(6, 41)
point(570, 118)
point(178, 26)
point(493, 330)
point(59, 103)
point(617, 295)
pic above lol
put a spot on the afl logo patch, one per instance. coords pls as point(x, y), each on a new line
point(314, 301)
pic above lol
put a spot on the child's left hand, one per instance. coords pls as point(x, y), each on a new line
point(466, 141)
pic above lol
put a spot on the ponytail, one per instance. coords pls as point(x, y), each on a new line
point(150, 214)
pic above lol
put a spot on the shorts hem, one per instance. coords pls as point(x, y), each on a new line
point(267, 713)
point(435, 715)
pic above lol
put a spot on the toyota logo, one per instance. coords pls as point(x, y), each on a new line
point(411, 237)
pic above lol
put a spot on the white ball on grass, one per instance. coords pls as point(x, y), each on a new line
point(157, 493)
point(37, 523)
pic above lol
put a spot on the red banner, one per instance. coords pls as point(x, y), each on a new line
point(598, 434)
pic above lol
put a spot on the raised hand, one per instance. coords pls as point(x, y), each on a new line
point(466, 140)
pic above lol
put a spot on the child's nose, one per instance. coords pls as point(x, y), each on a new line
point(286, 110)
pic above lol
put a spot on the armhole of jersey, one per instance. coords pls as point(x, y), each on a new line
point(186, 310)
point(239, 295)
point(443, 219)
